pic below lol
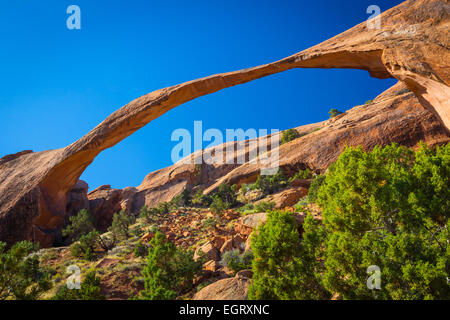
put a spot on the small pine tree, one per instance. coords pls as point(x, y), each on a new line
point(314, 188)
point(235, 261)
point(282, 268)
point(120, 226)
point(21, 277)
point(334, 112)
point(89, 290)
point(81, 224)
point(85, 246)
point(201, 199)
point(140, 250)
point(269, 184)
point(218, 206)
point(168, 270)
point(275, 246)
point(289, 135)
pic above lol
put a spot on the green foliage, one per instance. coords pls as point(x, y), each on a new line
point(81, 224)
point(264, 206)
point(334, 112)
point(275, 246)
point(140, 250)
point(201, 199)
point(89, 290)
point(21, 277)
point(223, 199)
point(120, 227)
point(209, 223)
point(402, 91)
point(218, 206)
point(388, 208)
point(227, 194)
point(248, 208)
point(289, 135)
point(169, 270)
point(149, 215)
point(198, 170)
point(236, 261)
point(301, 204)
point(183, 199)
point(302, 175)
point(85, 246)
point(368, 102)
point(198, 174)
point(309, 265)
point(82, 228)
point(278, 271)
point(203, 285)
point(244, 189)
point(164, 207)
point(269, 184)
point(314, 188)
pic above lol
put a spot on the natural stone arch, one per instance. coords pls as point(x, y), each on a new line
point(34, 186)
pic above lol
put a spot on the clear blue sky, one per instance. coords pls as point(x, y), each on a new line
point(57, 84)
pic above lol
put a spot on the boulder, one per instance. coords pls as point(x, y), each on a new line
point(212, 265)
point(248, 273)
point(218, 241)
point(227, 246)
point(238, 242)
point(225, 289)
point(287, 198)
point(210, 251)
point(305, 183)
point(245, 225)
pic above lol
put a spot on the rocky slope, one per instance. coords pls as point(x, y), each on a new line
point(412, 46)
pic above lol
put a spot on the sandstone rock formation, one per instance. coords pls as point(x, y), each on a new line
point(226, 289)
point(245, 225)
point(77, 198)
point(412, 46)
point(209, 250)
point(103, 203)
point(286, 198)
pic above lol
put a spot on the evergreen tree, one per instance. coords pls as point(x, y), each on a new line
point(21, 277)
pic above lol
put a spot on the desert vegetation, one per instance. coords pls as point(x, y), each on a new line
point(386, 208)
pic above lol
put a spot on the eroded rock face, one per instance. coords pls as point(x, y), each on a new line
point(77, 199)
point(103, 203)
point(412, 46)
point(245, 225)
point(287, 198)
point(10, 157)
